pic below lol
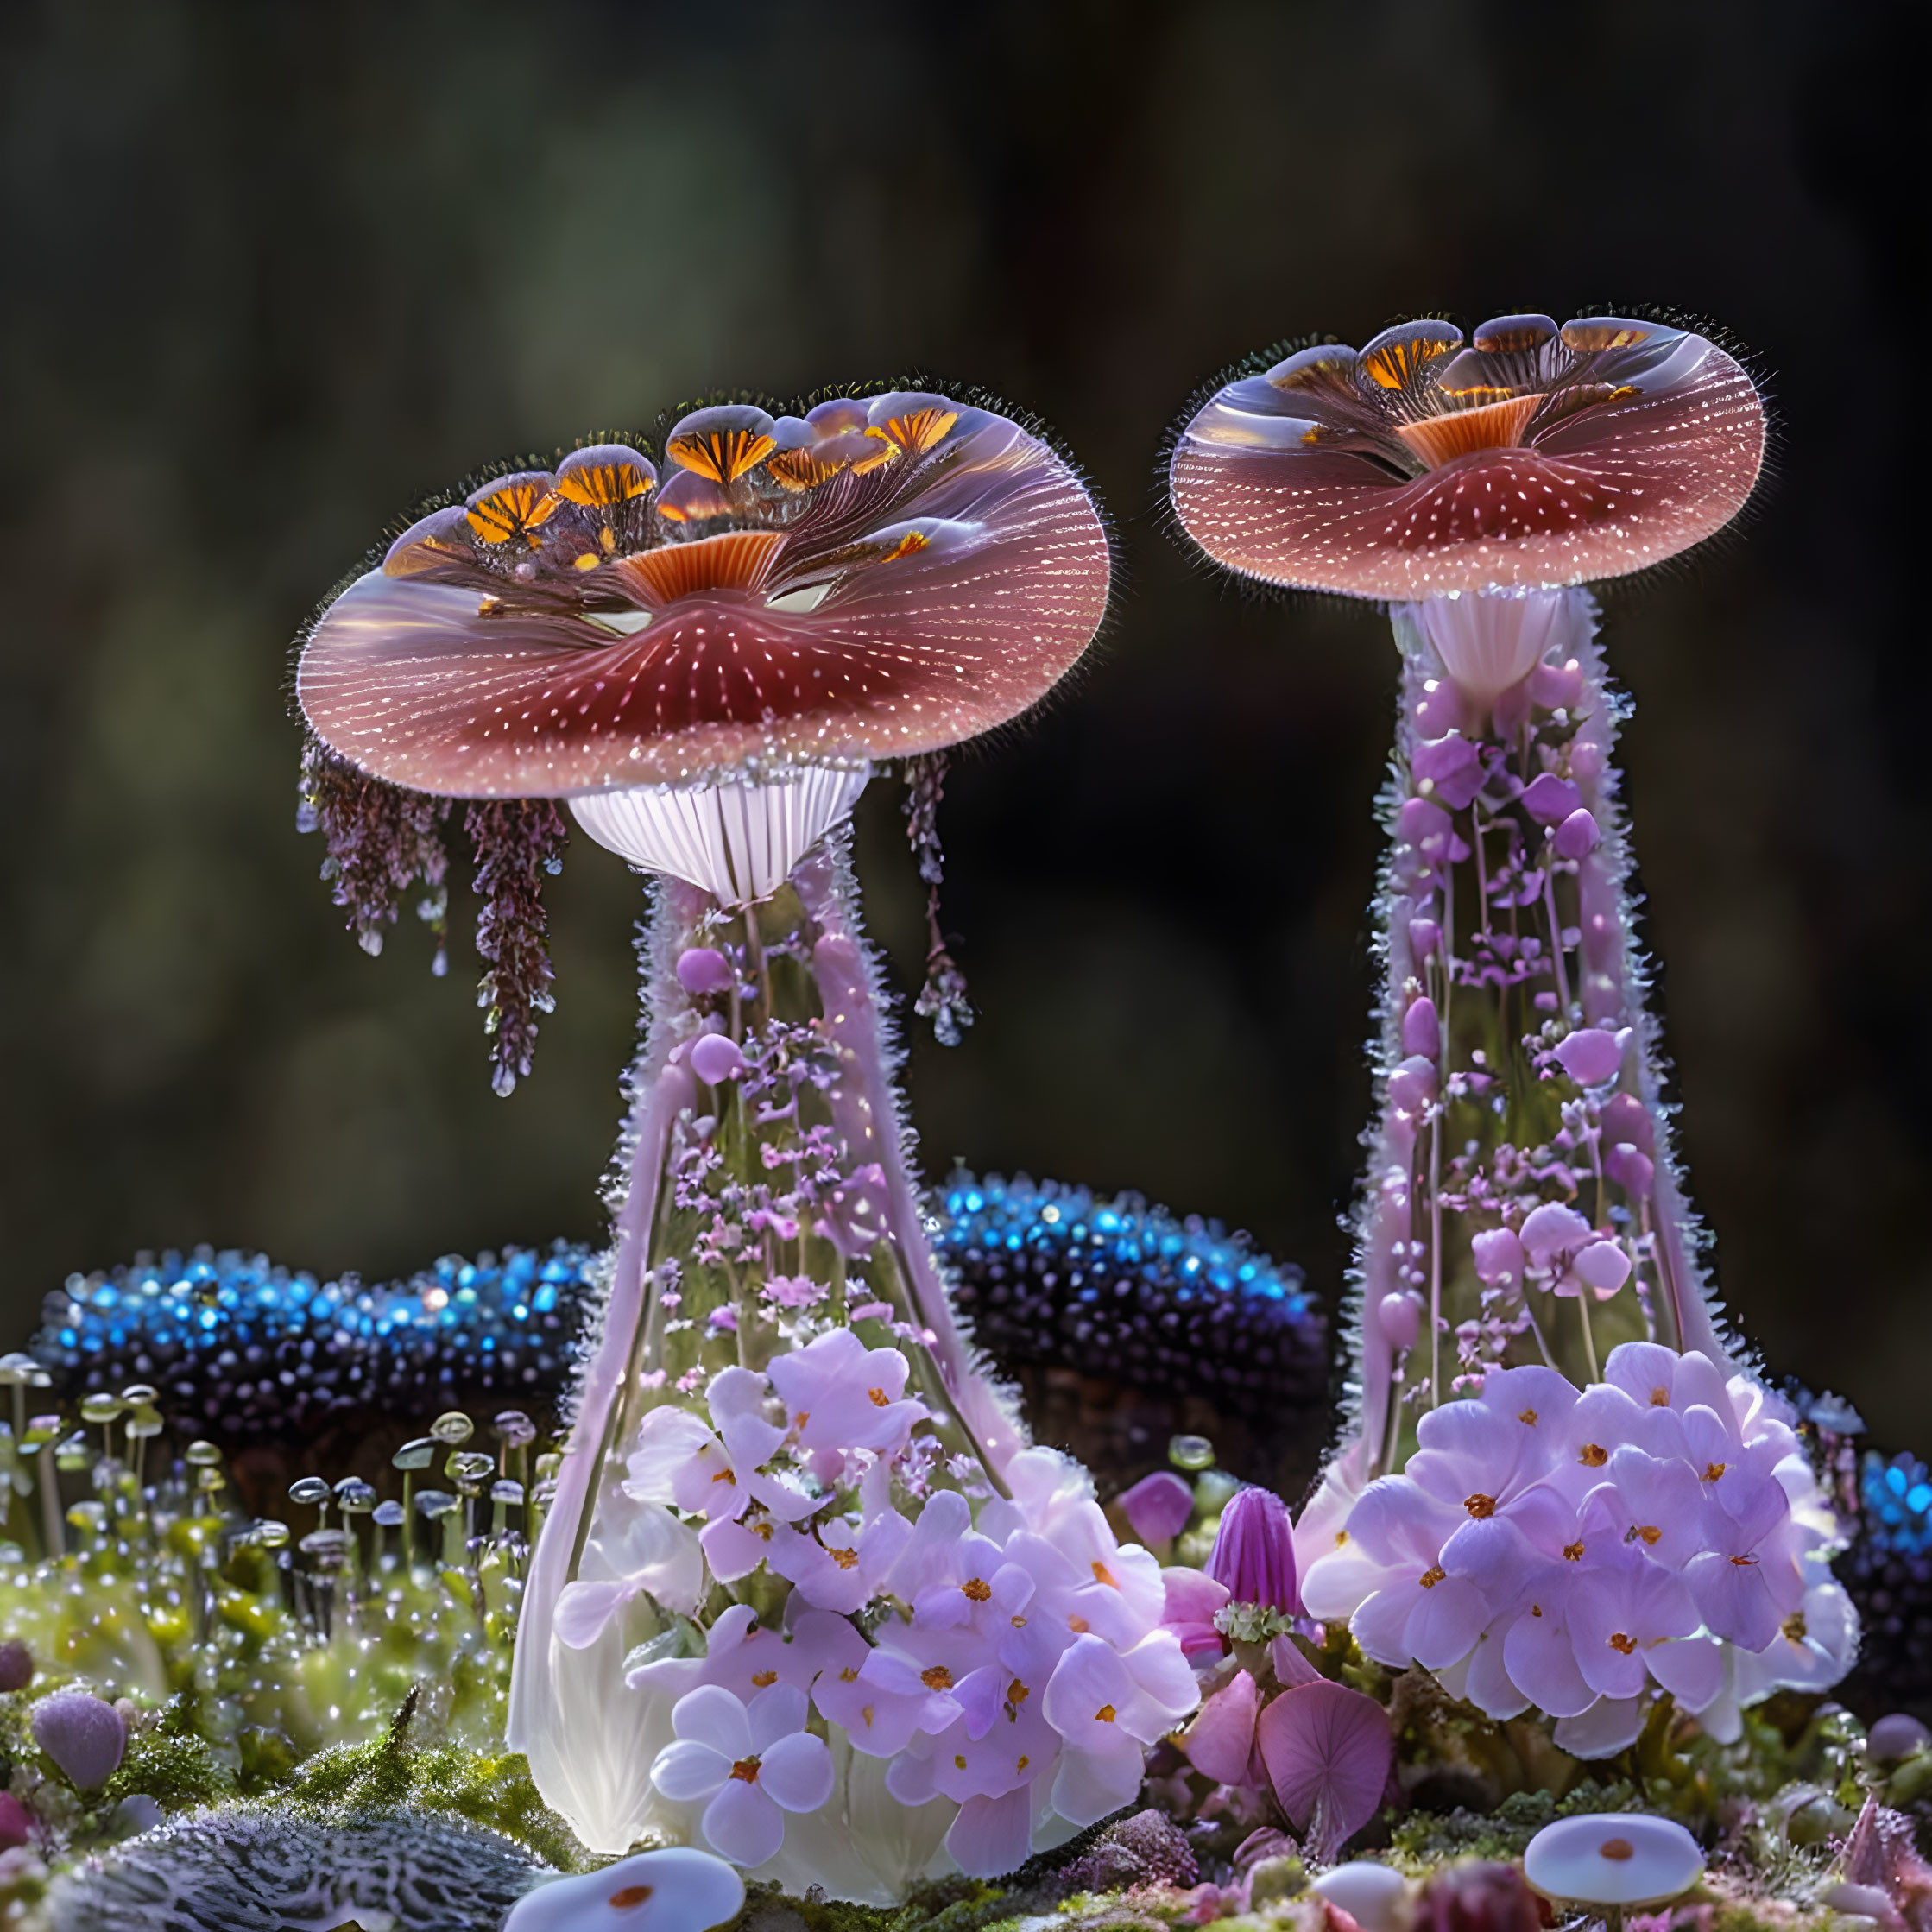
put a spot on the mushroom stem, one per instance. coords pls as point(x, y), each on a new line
point(1542, 1070)
point(786, 1139)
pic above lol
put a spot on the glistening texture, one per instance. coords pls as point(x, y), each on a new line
point(1534, 456)
point(874, 578)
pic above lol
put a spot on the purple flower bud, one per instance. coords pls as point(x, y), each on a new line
point(1399, 1319)
point(715, 1058)
point(16, 1665)
point(1423, 825)
point(1590, 1055)
point(1577, 836)
point(1548, 1230)
point(16, 1822)
point(1602, 1265)
point(1497, 1255)
point(1899, 1735)
point(1158, 1506)
point(1631, 1170)
point(1254, 1555)
point(1413, 1085)
point(1587, 763)
point(1550, 799)
point(1625, 1118)
point(704, 969)
point(1425, 936)
point(1451, 768)
point(1422, 1034)
point(1557, 686)
point(85, 1739)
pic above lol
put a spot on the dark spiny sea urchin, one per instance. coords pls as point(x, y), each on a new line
point(242, 1351)
point(1888, 1569)
point(1126, 1325)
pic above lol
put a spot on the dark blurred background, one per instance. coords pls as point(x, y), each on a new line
point(271, 272)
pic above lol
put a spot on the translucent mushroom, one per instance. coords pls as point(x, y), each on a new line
point(704, 661)
point(1614, 1862)
point(1522, 1215)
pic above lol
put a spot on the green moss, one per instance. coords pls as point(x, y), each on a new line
point(173, 1769)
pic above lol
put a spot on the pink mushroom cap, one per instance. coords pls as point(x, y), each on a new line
point(883, 576)
point(1531, 456)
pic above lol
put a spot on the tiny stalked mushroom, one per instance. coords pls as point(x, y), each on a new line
point(700, 652)
point(1523, 1238)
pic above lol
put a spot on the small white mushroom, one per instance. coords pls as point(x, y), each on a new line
point(1371, 1895)
point(1616, 1861)
point(677, 1890)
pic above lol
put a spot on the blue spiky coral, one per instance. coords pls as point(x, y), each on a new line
point(242, 1350)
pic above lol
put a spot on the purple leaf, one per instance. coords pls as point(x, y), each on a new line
point(1327, 1749)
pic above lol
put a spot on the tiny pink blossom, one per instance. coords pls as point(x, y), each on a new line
point(842, 1395)
point(1592, 1055)
point(1550, 799)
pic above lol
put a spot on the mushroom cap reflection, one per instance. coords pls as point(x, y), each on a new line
point(875, 577)
point(1532, 456)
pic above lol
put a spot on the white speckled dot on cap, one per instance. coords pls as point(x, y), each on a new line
point(1620, 1859)
point(677, 1890)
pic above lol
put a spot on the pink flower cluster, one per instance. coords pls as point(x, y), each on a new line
point(1576, 1549)
point(1011, 1661)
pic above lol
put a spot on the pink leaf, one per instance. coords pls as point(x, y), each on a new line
point(1327, 1749)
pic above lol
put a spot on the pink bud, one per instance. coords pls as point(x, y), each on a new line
point(1550, 799)
point(704, 969)
point(1425, 936)
point(1413, 1085)
point(1550, 1229)
point(16, 1822)
point(1450, 767)
point(1586, 762)
point(1422, 1032)
point(1158, 1506)
point(1399, 1319)
point(1602, 1265)
point(1625, 1118)
point(1440, 710)
point(1558, 686)
point(715, 1058)
point(1590, 1056)
point(1577, 836)
point(1498, 1256)
point(86, 1737)
point(1254, 1555)
point(1634, 1171)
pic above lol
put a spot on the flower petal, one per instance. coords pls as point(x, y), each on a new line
point(713, 1716)
point(992, 1836)
point(743, 1824)
point(796, 1773)
point(689, 1770)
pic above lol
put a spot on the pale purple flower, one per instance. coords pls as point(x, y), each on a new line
point(1624, 1613)
point(1158, 1506)
point(1414, 1611)
point(754, 1762)
point(742, 1654)
point(842, 1395)
point(1654, 1505)
point(1108, 1706)
point(1477, 1458)
point(1748, 1581)
point(1253, 1553)
point(677, 1460)
point(838, 1564)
